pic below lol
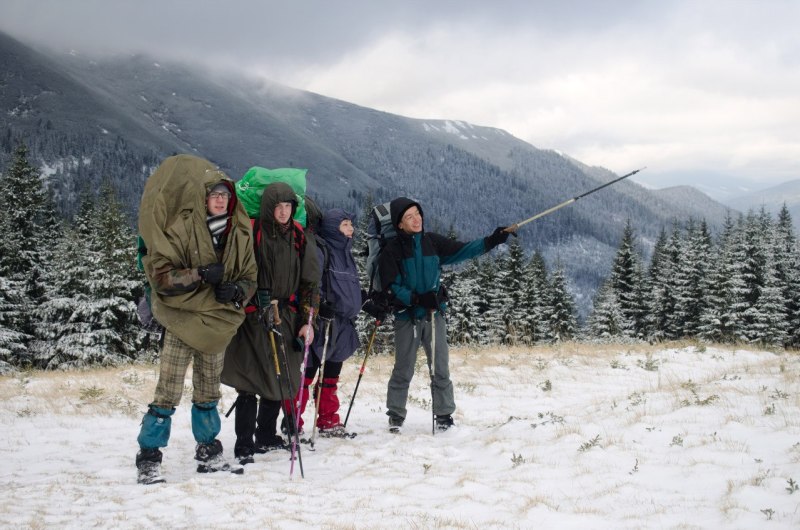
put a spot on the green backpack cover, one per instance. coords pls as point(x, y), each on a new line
point(251, 186)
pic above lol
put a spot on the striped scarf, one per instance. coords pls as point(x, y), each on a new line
point(217, 224)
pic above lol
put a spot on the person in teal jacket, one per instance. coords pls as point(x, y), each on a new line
point(410, 266)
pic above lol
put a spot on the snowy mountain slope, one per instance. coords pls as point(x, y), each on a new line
point(772, 199)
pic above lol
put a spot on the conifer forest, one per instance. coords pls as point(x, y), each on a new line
point(69, 285)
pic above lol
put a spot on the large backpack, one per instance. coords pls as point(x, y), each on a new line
point(251, 186)
point(380, 230)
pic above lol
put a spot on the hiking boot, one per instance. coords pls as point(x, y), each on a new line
point(210, 457)
point(148, 466)
point(395, 422)
point(335, 431)
point(444, 422)
point(275, 443)
point(244, 455)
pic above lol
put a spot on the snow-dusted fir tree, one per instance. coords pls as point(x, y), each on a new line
point(653, 276)
point(663, 320)
point(537, 299)
point(606, 320)
point(752, 255)
point(23, 255)
point(692, 278)
point(626, 281)
point(13, 344)
point(787, 270)
point(721, 315)
point(764, 319)
point(489, 302)
point(90, 315)
point(563, 324)
point(463, 324)
point(511, 280)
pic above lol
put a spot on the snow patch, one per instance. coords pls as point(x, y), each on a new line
point(573, 436)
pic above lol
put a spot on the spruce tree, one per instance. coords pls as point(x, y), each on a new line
point(755, 260)
point(765, 318)
point(90, 313)
point(22, 256)
point(787, 270)
point(655, 274)
point(626, 281)
point(537, 301)
point(693, 278)
point(723, 313)
point(489, 303)
point(511, 280)
point(606, 320)
point(562, 325)
point(463, 319)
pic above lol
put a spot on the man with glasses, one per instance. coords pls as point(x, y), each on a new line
point(201, 269)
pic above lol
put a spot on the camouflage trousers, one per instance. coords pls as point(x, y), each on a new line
point(175, 359)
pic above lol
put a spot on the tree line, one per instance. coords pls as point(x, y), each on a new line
point(741, 287)
point(69, 287)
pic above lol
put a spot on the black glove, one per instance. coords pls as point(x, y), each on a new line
point(263, 297)
point(498, 237)
point(326, 310)
point(228, 292)
point(211, 273)
point(375, 310)
point(428, 300)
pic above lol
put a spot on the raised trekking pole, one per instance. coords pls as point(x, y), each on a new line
point(432, 316)
point(361, 372)
point(319, 382)
point(515, 226)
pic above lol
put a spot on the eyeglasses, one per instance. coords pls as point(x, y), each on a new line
point(219, 195)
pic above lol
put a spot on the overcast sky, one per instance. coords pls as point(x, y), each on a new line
point(688, 88)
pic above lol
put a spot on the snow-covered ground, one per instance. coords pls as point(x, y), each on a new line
point(574, 436)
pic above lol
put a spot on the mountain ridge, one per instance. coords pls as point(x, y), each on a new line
point(136, 110)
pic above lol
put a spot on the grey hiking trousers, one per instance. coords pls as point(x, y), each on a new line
point(408, 336)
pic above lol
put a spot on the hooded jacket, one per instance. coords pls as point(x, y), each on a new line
point(287, 261)
point(410, 263)
point(287, 266)
point(339, 286)
point(172, 223)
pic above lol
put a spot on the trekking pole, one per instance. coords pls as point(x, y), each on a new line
point(361, 372)
point(319, 383)
point(296, 406)
point(432, 317)
point(515, 226)
point(272, 330)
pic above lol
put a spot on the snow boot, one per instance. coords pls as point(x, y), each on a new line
point(275, 443)
point(395, 423)
point(444, 422)
point(336, 431)
point(211, 460)
point(245, 427)
point(148, 466)
point(267, 438)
